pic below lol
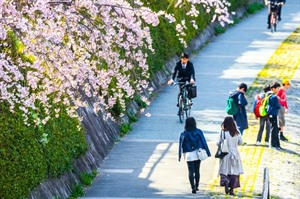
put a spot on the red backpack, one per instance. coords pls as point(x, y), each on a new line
point(257, 105)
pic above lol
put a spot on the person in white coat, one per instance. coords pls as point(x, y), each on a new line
point(231, 165)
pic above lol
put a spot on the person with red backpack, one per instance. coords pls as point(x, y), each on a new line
point(263, 120)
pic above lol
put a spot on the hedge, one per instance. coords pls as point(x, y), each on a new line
point(32, 154)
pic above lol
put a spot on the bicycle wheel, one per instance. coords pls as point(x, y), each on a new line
point(188, 111)
point(272, 28)
point(181, 111)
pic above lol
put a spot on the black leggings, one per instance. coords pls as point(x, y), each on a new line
point(194, 173)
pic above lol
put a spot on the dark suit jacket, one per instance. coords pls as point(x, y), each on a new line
point(184, 74)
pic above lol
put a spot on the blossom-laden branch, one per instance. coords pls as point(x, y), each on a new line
point(95, 46)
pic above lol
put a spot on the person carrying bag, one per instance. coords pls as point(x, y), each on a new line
point(193, 145)
point(230, 166)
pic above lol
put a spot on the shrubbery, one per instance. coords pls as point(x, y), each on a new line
point(31, 154)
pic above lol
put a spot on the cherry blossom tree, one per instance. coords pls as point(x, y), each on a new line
point(75, 48)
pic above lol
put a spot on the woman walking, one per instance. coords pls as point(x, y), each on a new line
point(190, 141)
point(231, 165)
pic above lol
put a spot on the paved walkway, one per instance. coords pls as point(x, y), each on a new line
point(145, 163)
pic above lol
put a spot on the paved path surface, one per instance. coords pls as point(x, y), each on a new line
point(145, 163)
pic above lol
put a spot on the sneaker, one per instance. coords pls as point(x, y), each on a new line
point(267, 144)
point(257, 143)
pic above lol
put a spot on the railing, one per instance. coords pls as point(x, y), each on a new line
point(266, 187)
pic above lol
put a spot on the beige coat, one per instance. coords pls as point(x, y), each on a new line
point(231, 163)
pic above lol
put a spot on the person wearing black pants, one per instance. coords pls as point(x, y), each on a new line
point(272, 110)
point(274, 131)
point(194, 174)
point(190, 141)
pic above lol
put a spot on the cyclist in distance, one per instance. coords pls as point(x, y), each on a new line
point(274, 6)
point(184, 70)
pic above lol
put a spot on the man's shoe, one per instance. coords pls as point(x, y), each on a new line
point(269, 27)
point(194, 191)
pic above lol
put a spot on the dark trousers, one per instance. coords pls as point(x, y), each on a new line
point(274, 131)
point(263, 121)
point(194, 173)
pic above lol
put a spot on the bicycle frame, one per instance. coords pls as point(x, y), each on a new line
point(183, 101)
point(273, 20)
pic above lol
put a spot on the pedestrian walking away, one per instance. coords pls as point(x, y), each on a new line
point(184, 72)
point(239, 97)
point(263, 120)
point(190, 141)
point(272, 110)
point(230, 166)
point(284, 107)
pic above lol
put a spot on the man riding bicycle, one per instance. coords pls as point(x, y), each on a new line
point(274, 6)
point(185, 72)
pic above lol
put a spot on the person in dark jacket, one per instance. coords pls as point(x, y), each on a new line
point(183, 71)
point(272, 110)
point(190, 141)
point(239, 97)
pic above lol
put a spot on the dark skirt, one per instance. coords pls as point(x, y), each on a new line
point(232, 180)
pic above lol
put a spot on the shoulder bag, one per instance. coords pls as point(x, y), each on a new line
point(223, 147)
point(202, 155)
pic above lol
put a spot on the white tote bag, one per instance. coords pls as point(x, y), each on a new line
point(202, 155)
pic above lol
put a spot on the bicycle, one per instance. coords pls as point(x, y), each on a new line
point(184, 103)
point(274, 21)
point(274, 8)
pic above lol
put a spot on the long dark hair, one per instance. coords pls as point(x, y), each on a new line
point(190, 123)
point(229, 125)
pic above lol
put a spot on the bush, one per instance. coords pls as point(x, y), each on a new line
point(31, 154)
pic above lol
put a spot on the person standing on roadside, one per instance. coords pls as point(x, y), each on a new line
point(284, 107)
point(183, 71)
point(263, 120)
point(230, 167)
point(240, 99)
point(272, 110)
point(190, 141)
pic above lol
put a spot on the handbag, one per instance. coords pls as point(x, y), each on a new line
point(222, 148)
point(192, 91)
point(202, 155)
